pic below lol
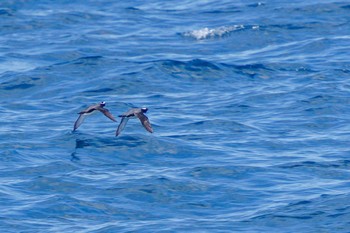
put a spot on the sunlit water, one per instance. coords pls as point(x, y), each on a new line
point(249, 102)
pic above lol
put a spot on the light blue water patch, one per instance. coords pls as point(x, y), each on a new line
point(249, 103)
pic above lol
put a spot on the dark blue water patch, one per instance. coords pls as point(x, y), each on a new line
point(259, 4)
point(202, 63)
point(342, 164)
point(302, 215)
point(196, 65)
point(332, 170)
point(289, 26)
point(254, 71)
point(97, 141)
point(132, 9)
point(320, 99)
point(345, 7)
point(249, 109)
point(89, 61)
point(102, 90)
point(19, 86)
point(206, 72)
point(129, 141)
point(231, 10)
point(6, 12)
point(21, 82)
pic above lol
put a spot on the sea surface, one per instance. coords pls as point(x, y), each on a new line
point(249, 102)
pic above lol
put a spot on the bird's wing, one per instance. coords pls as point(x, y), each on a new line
point(129, 113)
point(79, 121)
point(145, 122)
point(107, 113)
point(89, 109)
point(121, 125)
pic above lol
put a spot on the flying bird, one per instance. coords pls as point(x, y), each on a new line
point(134, 113)
point(92, 109)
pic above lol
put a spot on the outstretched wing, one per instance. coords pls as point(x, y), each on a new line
point(107, 113)
point(145, 122)
point(121, 125)
point(79, 121)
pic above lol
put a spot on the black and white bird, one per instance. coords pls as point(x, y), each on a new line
point(134, 113)
point(92, 109)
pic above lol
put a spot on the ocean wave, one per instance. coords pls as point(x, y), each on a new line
point(244, 116)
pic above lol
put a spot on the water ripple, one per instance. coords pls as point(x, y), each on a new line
point(249, 110)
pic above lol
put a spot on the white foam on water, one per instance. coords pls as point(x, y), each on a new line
point(205, 33)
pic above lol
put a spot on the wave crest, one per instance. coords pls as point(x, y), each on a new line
point(205, 33)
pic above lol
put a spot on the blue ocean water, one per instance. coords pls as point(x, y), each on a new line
point(249, 102)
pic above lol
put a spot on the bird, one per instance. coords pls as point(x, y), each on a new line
point(134, 113)
point(92, 109)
